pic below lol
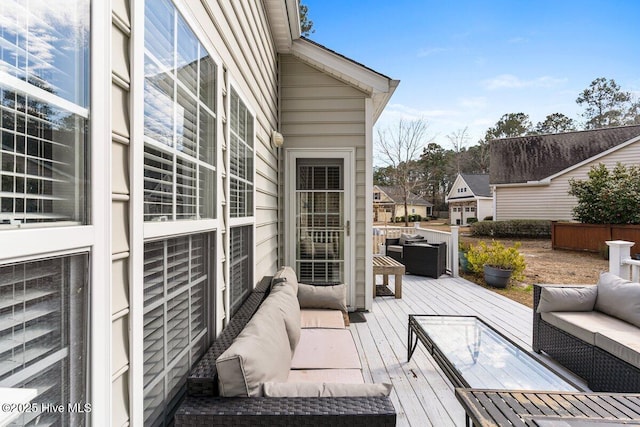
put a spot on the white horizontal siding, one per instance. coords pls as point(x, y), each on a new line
point(552, 201)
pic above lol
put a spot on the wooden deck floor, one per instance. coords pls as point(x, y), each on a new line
point(422, 394)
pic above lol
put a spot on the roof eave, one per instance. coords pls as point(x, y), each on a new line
point(284, 18)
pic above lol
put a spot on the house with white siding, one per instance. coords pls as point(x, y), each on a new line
point(388, 203)
point(158, 158)
point(530, 175)
point(469, 197)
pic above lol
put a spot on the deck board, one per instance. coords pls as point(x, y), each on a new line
point(423, 396)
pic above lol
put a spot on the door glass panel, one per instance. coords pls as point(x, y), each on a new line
point(320, 220)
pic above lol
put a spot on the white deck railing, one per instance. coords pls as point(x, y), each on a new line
point(620, 262)
point(380, 233)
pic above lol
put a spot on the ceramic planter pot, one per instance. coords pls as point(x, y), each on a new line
point(497, 277)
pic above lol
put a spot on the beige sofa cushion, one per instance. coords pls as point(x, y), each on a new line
point(353, 376)
point(286, 273)
point(623, 343)
point(321, 318)
point(584, 324)
point(283, 297)
point(329, 297)
point(560, 298)
point(619, 298)
point(272, 389)
point(260, 353)
point(326, 349)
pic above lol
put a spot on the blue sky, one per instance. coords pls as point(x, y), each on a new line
point(466, 63)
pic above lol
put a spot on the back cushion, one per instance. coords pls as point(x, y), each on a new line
point(260, 353)
point(567, 298)
point(619, 298)
point(283, 297)
point(286, 273)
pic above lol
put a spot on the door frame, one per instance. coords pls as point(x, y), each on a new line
point(348, 156)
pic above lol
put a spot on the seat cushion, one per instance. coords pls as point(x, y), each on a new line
point(286, 273)
point(619, 298)
point(566, 298)
point(321, 389)
point(326, 375)
point(394, 248)
point(583, 324)
point(623, 343)
point(260, 353)
point(326, 349)
point(321, 318)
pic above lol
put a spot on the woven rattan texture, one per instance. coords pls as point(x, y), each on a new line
point(613, 374)
point(295, 411)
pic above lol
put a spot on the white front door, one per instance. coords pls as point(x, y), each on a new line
point(319, 206)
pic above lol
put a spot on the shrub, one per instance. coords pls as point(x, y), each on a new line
point(608, 197)
point(519, 228)
point(472, 220)
point(499, 256)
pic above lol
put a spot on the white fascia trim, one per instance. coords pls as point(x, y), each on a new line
point(293, 17)
point(594, 158)
point(357, 75)
point(540, 183)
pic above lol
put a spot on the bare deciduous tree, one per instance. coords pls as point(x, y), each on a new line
point(459, 140)
point(399, 147)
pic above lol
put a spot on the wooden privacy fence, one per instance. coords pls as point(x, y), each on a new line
point(592, 237)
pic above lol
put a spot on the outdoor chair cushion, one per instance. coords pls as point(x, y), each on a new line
point(619, 298)
point(623, 343)
point(321, 318)
point(353, 376)
point(408, 238)
point(567, 298)
point(326, 349)
point(272, 389)
point(583, 324)
point(286, 273)
point(332, 297)
point(284, 298)
point(260, 353)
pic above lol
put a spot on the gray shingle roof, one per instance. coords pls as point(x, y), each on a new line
point(535, 157)
point(478, 183)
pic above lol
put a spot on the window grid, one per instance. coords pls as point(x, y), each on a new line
point(241, 157)
point(179, 119)
point(240, 265)
point(177, 282)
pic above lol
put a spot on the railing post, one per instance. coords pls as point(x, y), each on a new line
point(453, 251)
point(619, 250)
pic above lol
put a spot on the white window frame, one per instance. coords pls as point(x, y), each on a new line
point(160, 230)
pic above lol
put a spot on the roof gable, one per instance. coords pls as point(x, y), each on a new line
point(536, 157)
point(394, 194)
point(476, 184)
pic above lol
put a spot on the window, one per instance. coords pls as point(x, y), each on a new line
point(179, 119)
point(240, 266)
point(178, 283)
point(44, 53)
point(43, 333)
point(376, 196)
point(241, 159)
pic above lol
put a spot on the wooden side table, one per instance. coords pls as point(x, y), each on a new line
point(385, 266)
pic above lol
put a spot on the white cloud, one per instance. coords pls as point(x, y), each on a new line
point(509, 81)
point(430, 51)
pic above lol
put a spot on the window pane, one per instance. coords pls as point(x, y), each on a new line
point(44, 152)
point(241, 159)
point(178, 285)
point(179, 119)
point(240, 268)
point(43, 329)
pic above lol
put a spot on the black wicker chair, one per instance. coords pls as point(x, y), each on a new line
point(204, 407)
point(602, 370)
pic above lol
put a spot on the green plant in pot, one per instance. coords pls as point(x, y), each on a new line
point(463, 248)
point(498, 264)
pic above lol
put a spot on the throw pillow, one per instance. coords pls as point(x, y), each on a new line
point(619, 298)
point(273, 389)
point(332, 297)
point(565, 298)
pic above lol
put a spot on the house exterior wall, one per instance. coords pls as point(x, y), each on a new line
point(319, 111)
point(552, 202)
point(484, 208)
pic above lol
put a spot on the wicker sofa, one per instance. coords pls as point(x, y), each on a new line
point(417, 255)
point(592, 330)
point(281, 383)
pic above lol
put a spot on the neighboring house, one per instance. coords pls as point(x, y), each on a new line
point(530, 175)
point(469, 197)
point(388, 203)
point(145, 189)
